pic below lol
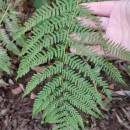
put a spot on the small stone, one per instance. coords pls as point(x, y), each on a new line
point(38, 69)
point(1, 99)
point(102, 96)
point(128, 93)
point(17, 90)
point(21, 86)
point(11, 82)
point(33, 96)
point(128, 108)
point(4, 111)
point(111, 86)
point(107, 101)
point(6, 122)
point(121, 92)
point(14, 123)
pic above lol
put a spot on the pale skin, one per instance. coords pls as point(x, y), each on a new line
point(115, 21)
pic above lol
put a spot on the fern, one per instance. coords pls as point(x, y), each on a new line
point(9, 26)
point(4, 61)
point(75, 83)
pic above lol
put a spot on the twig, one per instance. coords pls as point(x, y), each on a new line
point(5, 13)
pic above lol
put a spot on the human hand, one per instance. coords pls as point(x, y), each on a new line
point(115, 21)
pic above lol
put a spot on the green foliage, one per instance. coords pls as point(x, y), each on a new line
point(9, 26)
point(39, 3)
point(4, 61)
point(74, 82)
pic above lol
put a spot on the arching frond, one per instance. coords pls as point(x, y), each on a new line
point(74, 83)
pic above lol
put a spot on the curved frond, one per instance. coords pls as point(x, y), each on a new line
point(75, 85)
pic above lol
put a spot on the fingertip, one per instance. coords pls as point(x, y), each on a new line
point(100, 8)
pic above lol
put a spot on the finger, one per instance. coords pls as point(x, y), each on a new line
point(100, 8)
point(88, 22)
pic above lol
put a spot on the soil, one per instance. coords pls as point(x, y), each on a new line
point(16, 112)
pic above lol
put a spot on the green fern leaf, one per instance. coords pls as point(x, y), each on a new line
point(4, 61)
point(9, 27)
point(74, 84)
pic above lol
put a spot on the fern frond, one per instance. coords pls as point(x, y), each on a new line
point(116, 50)
point(44, 13)
point(37, 78)
point(48, 89)
point(46, 27)
point(75, 83)
point(9, 27)
point(4, 61)
point(12, 25)
point(100, 61)
point(3, 5)
point(6, 42)
point(83, 67)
